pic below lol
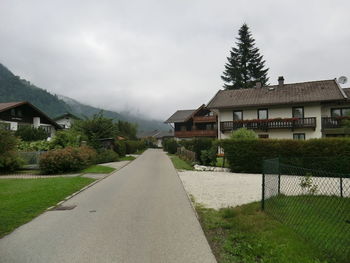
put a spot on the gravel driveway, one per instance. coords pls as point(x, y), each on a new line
point(220, 189)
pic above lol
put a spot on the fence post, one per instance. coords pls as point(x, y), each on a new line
point(341, 186)
point(263, 193)
point(279, 177)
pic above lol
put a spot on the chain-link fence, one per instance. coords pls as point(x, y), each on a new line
point(314, 203)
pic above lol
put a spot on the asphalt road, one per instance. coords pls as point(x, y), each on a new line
point(138, 214)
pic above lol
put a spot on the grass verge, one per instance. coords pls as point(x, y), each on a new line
point(179, 163)
point(98, 169)
point(219, 162)
point(21, 200)
point(245, 234)
point(127, 158)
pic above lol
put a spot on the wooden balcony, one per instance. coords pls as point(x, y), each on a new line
point(333, 122)
point(287, 123)
point(204, 119)
point(196, 133)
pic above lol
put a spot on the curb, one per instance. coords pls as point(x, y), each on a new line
point(85, 187)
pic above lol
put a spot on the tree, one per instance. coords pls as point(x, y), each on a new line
point(243, 134)
point(245, 66)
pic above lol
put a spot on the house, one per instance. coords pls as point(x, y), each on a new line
point(200, 122)
point(304, 110)
point(13, 115)
point(157, 136)
point(66, 120)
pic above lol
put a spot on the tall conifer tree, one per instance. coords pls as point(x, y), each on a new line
point(245, 65)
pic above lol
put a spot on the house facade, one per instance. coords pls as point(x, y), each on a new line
point(13, 115)
point(66, 120)
point(285, 111)
point(200, 122)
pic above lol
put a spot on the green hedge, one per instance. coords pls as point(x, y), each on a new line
point(328, 154)
point(198, 145)
point(170, 145)
point(106, 156)
point(9, 160)
point(134, 146)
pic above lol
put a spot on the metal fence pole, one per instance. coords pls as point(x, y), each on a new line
point(263, 193)
point(341, 186)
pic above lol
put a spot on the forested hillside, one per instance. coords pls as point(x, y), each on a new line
point(13, 88)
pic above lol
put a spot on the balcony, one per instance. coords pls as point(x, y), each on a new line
point(264, 125)
point(204, 119)
point(333, 122)
point(196, 133)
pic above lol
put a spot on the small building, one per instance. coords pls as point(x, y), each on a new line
point(13, 115)
point(201, 122)
point(66, 120)
point(298, 111)
point(156, 137)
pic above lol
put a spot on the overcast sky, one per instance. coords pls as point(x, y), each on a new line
point(155, 57)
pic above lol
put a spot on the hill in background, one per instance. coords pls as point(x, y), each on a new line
point(13, 88)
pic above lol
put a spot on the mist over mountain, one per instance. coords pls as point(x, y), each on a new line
point(14, 88)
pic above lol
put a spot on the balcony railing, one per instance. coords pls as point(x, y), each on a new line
point(196, 133)
point(333, 122)
point(287, 123)
point(204, 119)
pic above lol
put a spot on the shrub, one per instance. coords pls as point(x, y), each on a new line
point(9, 161)
point(243, 133)
point(106, 156)
point(208, 157)
point(134, 146)
point(69, 159)
point(29, 133)
point(34, 146)
point(198, 145)
point(170, 145)
point(120, 148)
point(66, 138)
point(329, 154)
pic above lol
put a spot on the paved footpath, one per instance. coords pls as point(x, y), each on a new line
point(138, 214)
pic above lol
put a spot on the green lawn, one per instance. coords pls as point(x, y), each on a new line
point(98, 169)
point(179, 163)
point(245, 234)
point(219, 162)
point(127, 158)
point(23, 199)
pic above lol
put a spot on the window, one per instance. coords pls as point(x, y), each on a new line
point(298, 112)
point(263, 114)
point(340, 112)
point(13, 112)
point(299, 136)
point(263, 136)
point(238, 115)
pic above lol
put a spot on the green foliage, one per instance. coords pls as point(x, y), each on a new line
point(243, 133)
point(245, 65)
point(99, 169)
point(120, 147)
point(28, 133)
point(96, 128)
point(306, 183)
point(134, 146)
point(9, 161)
point(208, 157)
point(66, 160)
point(66, 138)
point(328, 154)
point(127, 129)
point(198, 145)
point(170, 145)
point(34, 146)
point(179, 163)
point(106, 156)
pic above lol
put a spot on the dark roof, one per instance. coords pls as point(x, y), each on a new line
point(305, 92)
point(180, 116)
point(163, 134)
point(9, 105)
point(347, 92)
point(67, 114)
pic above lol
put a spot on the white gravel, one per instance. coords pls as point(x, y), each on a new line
point(222, 189)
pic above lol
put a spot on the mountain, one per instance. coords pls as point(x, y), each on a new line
point(13, 88)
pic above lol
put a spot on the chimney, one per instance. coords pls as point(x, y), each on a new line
point(280, 81)
point(258, 85)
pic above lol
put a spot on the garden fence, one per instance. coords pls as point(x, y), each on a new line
point(314, 203)
point(186, 154)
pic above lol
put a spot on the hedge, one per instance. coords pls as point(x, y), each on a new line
point(69, 159)
point(9, 160)
point(134, 146)
point(198, 145)
point(328, 154)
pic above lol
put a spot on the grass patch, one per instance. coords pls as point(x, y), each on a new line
point(139, 152)
point(245, 234)
point(220, 161)
point(179, 163)
point(127, 158)
point(23, 199)
point(98, 169)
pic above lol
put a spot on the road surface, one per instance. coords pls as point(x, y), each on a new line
point(138, 214)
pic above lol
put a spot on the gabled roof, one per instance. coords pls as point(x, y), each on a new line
point(347, 92)
point(9, 105)
point(294, 93)
point(180, 116)
point(67, 114)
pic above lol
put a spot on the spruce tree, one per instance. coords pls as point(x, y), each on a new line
point(245, 65)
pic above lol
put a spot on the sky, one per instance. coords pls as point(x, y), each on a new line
point(155, 57)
